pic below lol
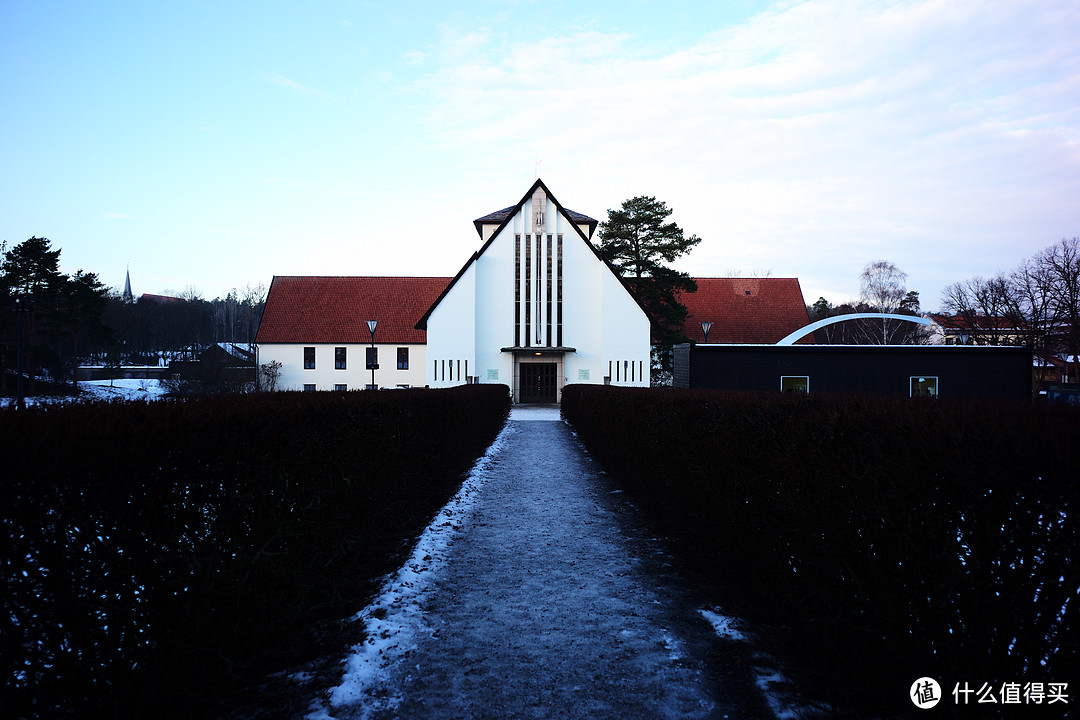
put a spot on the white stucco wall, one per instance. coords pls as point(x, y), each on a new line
point(600, 319)
point(355, 376)
point(451, 335)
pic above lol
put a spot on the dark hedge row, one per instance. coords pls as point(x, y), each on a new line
point(157, 556)
point(879, 540)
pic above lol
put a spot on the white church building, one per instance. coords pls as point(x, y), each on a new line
point(535, 308)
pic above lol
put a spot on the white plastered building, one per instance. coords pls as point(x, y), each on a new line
point(536, 308)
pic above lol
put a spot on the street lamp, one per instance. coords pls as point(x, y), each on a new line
point(372, 362)
point(22, 305)
point(706, 326)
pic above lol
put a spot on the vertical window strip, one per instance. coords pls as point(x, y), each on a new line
point(517, 290)
point(528, 291)
point(558, 300)
point(539, 260)
point(548, 299)
point(610, 378)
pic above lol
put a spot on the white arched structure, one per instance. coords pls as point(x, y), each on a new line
point(806, 330)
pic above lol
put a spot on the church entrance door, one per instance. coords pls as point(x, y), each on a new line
point(537, 383)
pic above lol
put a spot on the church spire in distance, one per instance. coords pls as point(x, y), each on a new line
point(128, 297)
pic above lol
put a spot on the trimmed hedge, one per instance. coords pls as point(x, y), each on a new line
point(157, 556)
point(878, 540)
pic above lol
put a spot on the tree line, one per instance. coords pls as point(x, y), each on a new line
point(882, 289)
point(1036, 304)
point(154, 328)
point(51, 322)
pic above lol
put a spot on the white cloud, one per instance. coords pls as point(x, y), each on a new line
point(289, 84)
point(820, 135)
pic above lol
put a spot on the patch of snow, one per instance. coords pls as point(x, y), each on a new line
point(545, 413)
point(776, 688)
point(724, 626)
point(395, 618)
point(772, 683)
point(121, 389)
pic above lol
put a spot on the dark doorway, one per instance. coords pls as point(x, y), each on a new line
point(537, 383)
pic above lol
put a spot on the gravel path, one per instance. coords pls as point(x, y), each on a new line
point(538, 593)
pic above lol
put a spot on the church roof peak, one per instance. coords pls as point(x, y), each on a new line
point(500, 216)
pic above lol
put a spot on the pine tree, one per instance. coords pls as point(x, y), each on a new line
point(638, 239)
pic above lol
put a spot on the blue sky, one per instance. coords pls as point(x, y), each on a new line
point(215, 144)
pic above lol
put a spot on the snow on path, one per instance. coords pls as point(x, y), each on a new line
point(537, 593)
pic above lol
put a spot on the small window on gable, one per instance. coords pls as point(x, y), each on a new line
point(309, 358)
point(795, 384)
point(339, 358)
point(924, 386)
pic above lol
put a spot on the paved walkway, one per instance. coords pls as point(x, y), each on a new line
point(537, 593)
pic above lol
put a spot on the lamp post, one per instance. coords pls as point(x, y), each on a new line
point(372, 364)
point(706, 326)
point(22, 305)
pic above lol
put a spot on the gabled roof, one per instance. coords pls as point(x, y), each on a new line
point(745, 310)
point(336, 309)
point(503, 217)
point(500, 216)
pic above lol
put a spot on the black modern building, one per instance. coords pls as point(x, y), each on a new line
point(914, 370)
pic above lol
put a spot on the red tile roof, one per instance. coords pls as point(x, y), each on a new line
point(336, 309)
point(982, 322)
point(745, 310)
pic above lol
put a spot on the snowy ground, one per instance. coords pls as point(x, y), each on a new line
point(538, 593)
point(101, 390)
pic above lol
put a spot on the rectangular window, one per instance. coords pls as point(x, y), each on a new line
point(403, 358)
point(339, 358)
point(371, 387)
point(558, 291)
point(547, 297)
point(341, 388)
point(309, 358)
point(795, 384)
point(528, 291)
point(372, 358)
point(517, 290)
point(309, 387)
point(924, 386)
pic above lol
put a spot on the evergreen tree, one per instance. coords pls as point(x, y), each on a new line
point(55, 309)
point(638, 239)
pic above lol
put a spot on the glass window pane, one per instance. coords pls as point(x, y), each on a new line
point(795, 384)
